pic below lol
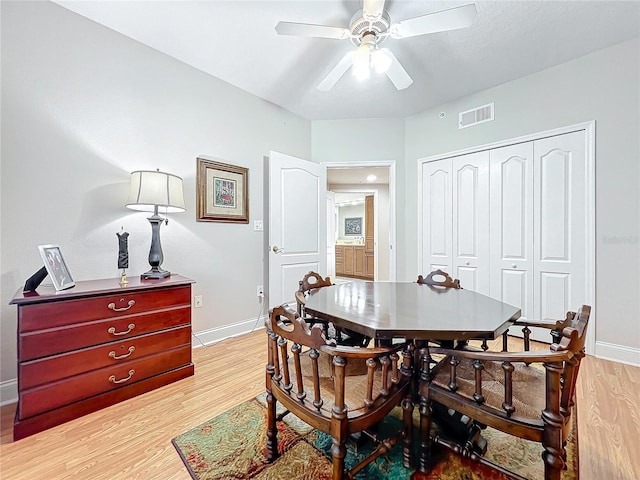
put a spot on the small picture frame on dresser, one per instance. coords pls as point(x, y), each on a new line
point(56, 266)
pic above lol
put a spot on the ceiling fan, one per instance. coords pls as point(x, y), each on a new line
point(367, 30)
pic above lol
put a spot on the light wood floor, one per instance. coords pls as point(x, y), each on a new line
point(132, 440)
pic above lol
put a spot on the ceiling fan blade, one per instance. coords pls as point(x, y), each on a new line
point(309, 30)
point(334, 75)
point(397, 74)
point(452, 19)
point(372, 9)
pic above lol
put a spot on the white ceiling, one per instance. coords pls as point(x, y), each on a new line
point(354, 180)
point(236, 42)
point(357, 176)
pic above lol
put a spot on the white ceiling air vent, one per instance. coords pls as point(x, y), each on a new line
point(476, 115)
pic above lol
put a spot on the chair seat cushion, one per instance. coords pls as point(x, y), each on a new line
point(528, 385)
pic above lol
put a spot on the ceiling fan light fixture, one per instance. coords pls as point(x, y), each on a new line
point(361, 56)
point(361, 59)
point(380, 60)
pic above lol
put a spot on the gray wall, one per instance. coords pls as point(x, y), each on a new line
point(83, 106)
point(376, 139)
point(603, 86)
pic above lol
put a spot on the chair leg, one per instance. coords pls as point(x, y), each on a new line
point(407, 431)
point(553, 424)
point(339, 421)
point(425, 439)
point(272, 429)
point(552, 455)
point(425, 410)
point(338, 452)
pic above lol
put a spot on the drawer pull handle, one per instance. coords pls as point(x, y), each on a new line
point(112, 330)
point(112, 354)
point(112, 306)
point(112, 378)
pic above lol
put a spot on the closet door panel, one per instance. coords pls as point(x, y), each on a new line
point(470, 221)
point(555, 219)
point(436, 216)
point(555, 293)
point(511, 227)
point(560, 213)
point(515, 289)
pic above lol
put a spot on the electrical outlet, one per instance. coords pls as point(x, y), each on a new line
point(260, 292)
point(197, 301)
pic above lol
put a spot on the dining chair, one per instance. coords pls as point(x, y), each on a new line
point(309, 282)
point(339, 390)
point(554, 327)
point(439, 278)
point(312, 281)
point(529, 395)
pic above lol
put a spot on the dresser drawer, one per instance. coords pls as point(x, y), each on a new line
point(57, 314)
point(64, 392)
point(49, 369)
point(64, 339)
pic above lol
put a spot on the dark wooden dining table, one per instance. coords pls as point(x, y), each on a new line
point(387, 310)
point(411, 311)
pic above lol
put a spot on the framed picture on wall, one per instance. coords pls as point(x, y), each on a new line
point(56, 266)
point(353, 226)
point(222, 194)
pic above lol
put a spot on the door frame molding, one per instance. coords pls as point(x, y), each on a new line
point(589, 130)
point(391, 164)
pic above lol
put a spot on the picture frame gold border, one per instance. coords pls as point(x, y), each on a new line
point(204, 165)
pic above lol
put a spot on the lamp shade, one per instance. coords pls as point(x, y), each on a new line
point(149, 189)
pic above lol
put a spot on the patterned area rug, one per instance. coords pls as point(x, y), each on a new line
point(233, 446)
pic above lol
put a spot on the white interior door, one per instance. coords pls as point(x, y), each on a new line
point(297, 224)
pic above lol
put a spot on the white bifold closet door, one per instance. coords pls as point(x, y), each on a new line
point(510, 222)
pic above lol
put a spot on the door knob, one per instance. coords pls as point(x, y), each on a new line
point(277, 249)
point(513, 265)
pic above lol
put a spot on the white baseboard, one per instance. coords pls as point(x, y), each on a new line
point(214, 335)
point(8, 392)
point(618, 353)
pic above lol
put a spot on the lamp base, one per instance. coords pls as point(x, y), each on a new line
point(155, 273)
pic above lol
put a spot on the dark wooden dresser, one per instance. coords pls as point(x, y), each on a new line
point(96, 344)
